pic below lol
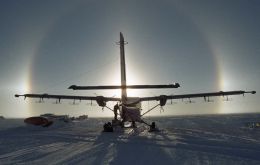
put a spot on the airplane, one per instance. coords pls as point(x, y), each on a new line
point(130, 107)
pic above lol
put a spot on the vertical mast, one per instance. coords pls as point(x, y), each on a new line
point(123, 71)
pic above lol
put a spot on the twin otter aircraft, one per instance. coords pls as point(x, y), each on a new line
point(130, 107)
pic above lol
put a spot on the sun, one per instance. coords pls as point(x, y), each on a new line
point(132, 78)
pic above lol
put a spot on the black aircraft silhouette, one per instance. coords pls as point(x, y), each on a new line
point(130, 107)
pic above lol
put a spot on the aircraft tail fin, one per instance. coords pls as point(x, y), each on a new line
point(122, 67)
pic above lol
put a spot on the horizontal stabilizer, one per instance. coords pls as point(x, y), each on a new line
point(75, 87)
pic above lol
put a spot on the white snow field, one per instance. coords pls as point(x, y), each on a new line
point(205, 139)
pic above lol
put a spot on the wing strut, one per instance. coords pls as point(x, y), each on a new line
point(150, 110)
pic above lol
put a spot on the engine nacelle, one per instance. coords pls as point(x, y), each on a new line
point(101, 101)
point(163, 100)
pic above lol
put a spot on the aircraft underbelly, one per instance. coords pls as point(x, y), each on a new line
point(131, 114)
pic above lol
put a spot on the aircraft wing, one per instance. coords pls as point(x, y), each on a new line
point(164, 98)
point(101, 100)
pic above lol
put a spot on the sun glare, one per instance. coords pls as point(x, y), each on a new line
point(24, 87)
point(132, 78)
point(24, 106)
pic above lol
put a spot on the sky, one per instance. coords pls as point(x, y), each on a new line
point(206, 46)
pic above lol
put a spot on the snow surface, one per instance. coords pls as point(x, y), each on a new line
point(207, 139)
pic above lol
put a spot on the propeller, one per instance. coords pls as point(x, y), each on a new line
point(161, 109)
